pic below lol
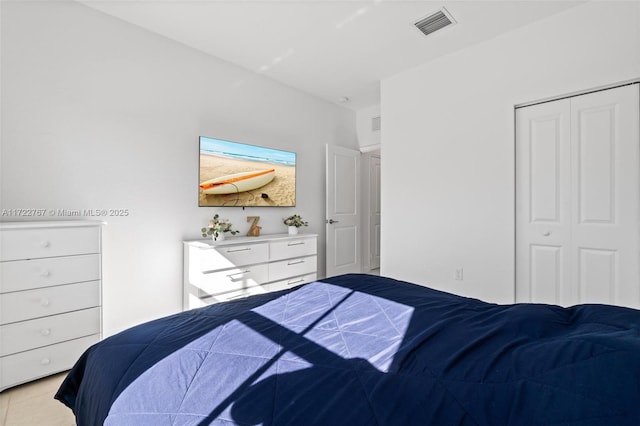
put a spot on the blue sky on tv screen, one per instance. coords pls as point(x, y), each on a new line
point(243, 151)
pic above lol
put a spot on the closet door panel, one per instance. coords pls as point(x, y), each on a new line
point(543, 224)
point(597, 276)
point(606, 196)
point(546, 273)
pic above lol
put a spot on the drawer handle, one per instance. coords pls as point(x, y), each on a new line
point(45, 244)
point(45, 331)
point(45, 302)
point(45, 273)
point(299, 280)
point(45, 361)
point(295, 263)
point(242, 249)
point(237, 296)
point(296, 244)
point(238, 273)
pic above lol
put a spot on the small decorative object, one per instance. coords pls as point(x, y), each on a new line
point(217, 227)
point(254, 231)
point(294, 222)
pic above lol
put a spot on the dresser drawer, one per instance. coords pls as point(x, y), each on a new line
point(26, 335)
point(232, 279)
point(28, 274)
point(25, 366)
point(243, 266)
point(291, 282)
point(24, 305)
point(223, 257)
point(292, 267)
point(233, 295)
point(17, 244)
point(297, 247)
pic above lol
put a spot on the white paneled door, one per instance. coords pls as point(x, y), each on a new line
point(343, 211)
point(577, 199)
point(375, 212)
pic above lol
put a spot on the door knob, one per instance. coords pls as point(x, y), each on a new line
point(546, 233)
point(331, 221)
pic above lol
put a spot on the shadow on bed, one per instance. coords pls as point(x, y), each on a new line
point(359, 349)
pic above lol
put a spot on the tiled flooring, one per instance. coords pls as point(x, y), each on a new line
point(32, 404)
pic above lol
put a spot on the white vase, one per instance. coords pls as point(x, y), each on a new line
point(220, 237)
point(293, 230)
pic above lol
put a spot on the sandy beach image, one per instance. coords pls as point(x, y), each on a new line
point(281, 190)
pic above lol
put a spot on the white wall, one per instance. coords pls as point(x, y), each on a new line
point(448, 142)
point(101, 114)
point(368, 139)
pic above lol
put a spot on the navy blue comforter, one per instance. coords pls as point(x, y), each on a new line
point(365, 350)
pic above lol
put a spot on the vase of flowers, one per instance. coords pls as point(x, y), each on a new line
point(217, 228)
point(294, 222)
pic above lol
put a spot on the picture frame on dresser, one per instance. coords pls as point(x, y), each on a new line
point(50, 296)
point(242, 266)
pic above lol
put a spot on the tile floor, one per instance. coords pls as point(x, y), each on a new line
point(32, 404)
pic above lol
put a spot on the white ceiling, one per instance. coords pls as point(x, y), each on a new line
point(330, 49)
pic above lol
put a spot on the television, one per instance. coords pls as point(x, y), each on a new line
point(239, 174)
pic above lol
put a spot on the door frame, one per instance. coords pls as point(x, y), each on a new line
point(573, 94)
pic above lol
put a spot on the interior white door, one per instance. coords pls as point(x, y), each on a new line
point(543, 200)
point(343, 253)
point(605, 231)
point(577, 199)
point(374, 212)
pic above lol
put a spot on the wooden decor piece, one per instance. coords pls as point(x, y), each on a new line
point(254, 231)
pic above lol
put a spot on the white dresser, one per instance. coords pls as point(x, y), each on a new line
point(50, 296)
point(242, 266)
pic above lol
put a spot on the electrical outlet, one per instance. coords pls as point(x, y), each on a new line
point(459, 274)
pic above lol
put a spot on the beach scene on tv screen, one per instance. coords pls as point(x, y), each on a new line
point(237, 174)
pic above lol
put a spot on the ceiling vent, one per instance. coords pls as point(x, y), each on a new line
point(375, 124)
point(435, 22)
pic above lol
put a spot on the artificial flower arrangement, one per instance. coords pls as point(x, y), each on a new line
point(295, 220)
point(217, 227)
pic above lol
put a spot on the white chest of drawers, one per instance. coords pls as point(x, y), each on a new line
point(50, 296)
point(242, 266)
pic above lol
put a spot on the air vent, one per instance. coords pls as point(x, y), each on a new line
point(375, 124)
point(435, 22)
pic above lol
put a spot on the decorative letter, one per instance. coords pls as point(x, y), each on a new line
point(254, 231)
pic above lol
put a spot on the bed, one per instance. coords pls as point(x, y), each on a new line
point(365, 350)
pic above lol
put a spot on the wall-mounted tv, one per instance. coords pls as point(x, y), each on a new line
point(239, 174)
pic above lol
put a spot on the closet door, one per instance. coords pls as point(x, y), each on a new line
point(577, 200)
point(543, 202)
point(605, 151)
